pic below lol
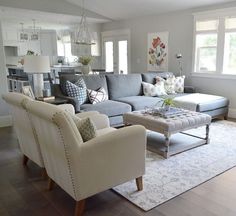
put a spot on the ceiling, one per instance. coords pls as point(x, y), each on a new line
point(15, 16)
point(125, 9)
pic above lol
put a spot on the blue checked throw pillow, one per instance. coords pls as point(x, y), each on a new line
point(77, 90)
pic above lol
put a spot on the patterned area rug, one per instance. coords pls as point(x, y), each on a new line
point(168, 178)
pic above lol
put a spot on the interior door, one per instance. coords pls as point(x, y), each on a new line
point(116, 53)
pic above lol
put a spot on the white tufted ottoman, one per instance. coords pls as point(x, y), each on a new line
point(169, 126)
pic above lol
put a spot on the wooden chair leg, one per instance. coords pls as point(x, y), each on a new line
point(139, 183)
point(50, 184)
point(25, 160)
point(79, 208)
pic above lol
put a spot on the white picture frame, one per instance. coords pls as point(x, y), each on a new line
point(27, 90)
point(157, 52)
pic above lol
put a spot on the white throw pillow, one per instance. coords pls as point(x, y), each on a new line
point(153, 90)
point(97, 96)
point(160, 84)
point(179, 84)
point(170, 85)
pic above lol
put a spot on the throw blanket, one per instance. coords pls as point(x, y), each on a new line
point(191, 101)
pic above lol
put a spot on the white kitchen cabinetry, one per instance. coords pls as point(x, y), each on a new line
point(10, 37)
point(23, 47)
point(48, 43)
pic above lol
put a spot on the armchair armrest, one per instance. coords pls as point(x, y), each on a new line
point(56, 91)
point(189, 89)
point(111, 159)
point(100, 120)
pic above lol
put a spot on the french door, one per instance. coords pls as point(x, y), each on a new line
point(116, 51)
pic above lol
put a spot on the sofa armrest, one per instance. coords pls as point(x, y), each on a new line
point(189, 89)
point(111, 159)
point(56, 91)
point(100, 120)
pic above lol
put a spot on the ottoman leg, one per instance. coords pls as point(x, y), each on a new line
point(167, 144)
point(207, 133)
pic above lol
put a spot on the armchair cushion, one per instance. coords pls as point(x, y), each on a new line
point(86, 128)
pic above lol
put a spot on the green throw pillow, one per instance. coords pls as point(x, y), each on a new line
point(86, 128)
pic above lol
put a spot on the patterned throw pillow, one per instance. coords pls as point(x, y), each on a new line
point(179, 84)
point(170, 85)
point(86, 128)
point(97, 96)
point(153, 90)
point(77, 90)
point(160, 83)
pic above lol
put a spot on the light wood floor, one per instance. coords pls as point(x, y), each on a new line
point(22, 192)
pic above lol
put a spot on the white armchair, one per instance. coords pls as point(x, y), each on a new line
point(23, 127)
point(25, 131)
point(84, 169)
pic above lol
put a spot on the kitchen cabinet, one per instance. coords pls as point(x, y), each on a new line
point(48, 42)
point(34, 46)
point(10, 37)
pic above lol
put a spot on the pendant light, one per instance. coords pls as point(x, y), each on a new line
point(83, 35)
point(23, 35)
point(35, 32)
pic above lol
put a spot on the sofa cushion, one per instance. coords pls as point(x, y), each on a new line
point(124, 85)
point(109, 108)
point(140, 102)
point(149, 77)
point(93, 82)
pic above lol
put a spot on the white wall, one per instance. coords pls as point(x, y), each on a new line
point(5, 119)
point(180, 28)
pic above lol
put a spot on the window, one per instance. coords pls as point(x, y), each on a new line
point(215, 44)
point(123, 56)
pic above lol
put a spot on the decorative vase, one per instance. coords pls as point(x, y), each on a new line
point(85, 69)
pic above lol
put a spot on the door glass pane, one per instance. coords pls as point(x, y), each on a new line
point(206, 52)
point(109, 56)
point(230, 53)
point(123, 56)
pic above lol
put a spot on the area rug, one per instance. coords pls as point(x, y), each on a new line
point(168, 178)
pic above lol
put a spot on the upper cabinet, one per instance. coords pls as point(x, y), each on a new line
point(48, 43)
point(10, 37)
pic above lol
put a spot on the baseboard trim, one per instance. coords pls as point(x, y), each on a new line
point(232, 113)
point(5, 121)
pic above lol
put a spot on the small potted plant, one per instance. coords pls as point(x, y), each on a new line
point(167, 103)
point(85, 61)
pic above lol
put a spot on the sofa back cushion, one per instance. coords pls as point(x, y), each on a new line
point(120, 85)
point(149, 77)
point(93, 82)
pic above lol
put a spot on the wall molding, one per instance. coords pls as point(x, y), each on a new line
point(5, 121)
point(232, 113)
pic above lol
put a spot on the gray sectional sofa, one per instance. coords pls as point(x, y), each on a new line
point(126, 94)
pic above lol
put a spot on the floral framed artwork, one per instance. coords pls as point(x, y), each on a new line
point(157, 59)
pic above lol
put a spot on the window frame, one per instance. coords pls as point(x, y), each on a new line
point(221, 16)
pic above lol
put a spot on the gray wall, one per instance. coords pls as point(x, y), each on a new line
point(180, 28)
